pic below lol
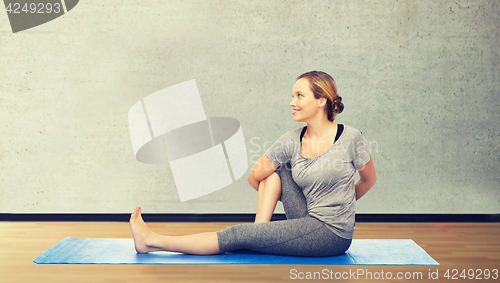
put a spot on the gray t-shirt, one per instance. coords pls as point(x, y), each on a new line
point(327, 180)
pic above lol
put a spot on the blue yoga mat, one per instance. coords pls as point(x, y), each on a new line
point(121, 251)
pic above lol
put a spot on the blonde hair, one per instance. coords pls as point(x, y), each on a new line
point(323, 85)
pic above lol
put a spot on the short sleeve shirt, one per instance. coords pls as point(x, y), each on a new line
point(327, 180)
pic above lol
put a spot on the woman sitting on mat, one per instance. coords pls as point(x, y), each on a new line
point(310, 169)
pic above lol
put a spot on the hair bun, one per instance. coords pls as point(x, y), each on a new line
point(338, 106)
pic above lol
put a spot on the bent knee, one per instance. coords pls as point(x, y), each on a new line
point(271, 183)
point(273, 179)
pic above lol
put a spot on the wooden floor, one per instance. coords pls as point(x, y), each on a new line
point(460, 246)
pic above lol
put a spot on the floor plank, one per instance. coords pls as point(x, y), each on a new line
point(460, 246)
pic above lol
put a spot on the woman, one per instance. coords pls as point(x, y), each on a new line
point(310, 169)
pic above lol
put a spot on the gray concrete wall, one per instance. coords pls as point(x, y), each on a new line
point(420, 79)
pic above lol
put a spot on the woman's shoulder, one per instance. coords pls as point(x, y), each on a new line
point(351, 131)
point(292, 134)
point(286, 144)
point(350, 128)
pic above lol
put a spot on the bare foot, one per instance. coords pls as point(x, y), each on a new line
point(142, 234)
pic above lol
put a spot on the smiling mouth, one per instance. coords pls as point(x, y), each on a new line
point(295, 111)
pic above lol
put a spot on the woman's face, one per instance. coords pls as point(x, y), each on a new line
point(304, 104)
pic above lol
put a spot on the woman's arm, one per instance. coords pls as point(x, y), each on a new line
point(368, 177)
point(261, 170)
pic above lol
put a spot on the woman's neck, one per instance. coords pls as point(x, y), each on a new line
point(320, 129)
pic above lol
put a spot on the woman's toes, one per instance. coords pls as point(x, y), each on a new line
point(136, 212)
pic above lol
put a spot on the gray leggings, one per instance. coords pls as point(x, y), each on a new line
point(299, 235)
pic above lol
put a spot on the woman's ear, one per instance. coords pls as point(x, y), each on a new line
point(322, 102)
